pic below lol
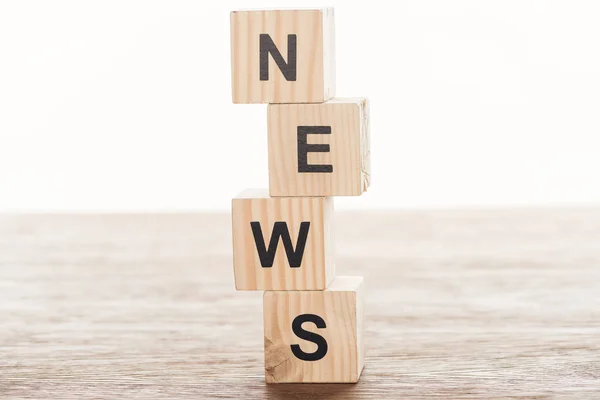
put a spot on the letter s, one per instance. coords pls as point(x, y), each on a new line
point(309, 336)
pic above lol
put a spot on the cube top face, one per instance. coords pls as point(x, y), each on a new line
point(282, 243)
point(319, 149)
point(282, 56)
point(315, 336)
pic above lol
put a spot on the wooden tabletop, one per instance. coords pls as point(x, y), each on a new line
point(459, 304)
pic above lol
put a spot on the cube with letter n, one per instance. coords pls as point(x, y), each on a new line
point(282, 56)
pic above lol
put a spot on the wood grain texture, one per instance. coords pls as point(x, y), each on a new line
point(317, 268)
point(340, 309)
point(349, 148)
point(315, 55)
point(460, 304)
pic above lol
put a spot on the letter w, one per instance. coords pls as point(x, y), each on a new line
point(280, 229)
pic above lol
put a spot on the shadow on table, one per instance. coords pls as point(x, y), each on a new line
point(286, 391)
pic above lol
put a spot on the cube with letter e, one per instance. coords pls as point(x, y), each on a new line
point(319, 149)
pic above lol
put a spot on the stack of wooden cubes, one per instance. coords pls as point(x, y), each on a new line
point(283, 238)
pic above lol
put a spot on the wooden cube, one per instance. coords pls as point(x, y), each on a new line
point(282, 243)
point(282, 56)
point(319, 149)
point(315, 337)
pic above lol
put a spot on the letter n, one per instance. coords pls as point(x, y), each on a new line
point(288, 69)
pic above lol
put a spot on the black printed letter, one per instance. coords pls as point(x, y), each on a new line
point(311, 337)
point(280, 229)
point(267, 46)
point(304, 148)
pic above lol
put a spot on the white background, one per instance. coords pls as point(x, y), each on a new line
point(126, 105)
